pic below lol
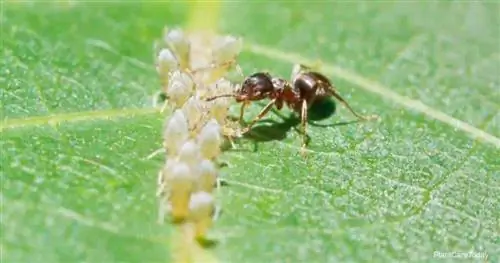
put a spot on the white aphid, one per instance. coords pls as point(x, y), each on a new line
point(219, 111)
point(176, 132)
point(220, 107)
point(177, 40)
point(183, 78)
point(180, 88)
point(207, 176)
point(224, 86)
point(210, 139)
point(226, 49)
point(193, 109)
point(186, 181)
point(175, 35)
point(181, 184)
point(163, 176)
point(189, 153)
point(201, 209)
point(167, 61)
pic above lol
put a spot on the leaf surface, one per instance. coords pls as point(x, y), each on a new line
point(389, 191)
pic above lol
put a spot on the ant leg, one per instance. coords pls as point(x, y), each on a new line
point(260, 116)
point(242, 111)
point(314, 66)
point(334, 93)
point(304, 126)
point(301, 68)
point(304, 67)
point(219, 96)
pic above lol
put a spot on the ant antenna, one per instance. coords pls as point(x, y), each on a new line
point(239, 70)
point(219, 96)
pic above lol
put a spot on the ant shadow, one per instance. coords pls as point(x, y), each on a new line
point(321, 109)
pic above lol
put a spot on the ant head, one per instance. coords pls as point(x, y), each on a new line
point(255, 87)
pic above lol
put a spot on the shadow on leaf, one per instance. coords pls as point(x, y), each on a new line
point(206, 243)
point(322, 109)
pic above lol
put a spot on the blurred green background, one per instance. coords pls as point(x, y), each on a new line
point(393, 191)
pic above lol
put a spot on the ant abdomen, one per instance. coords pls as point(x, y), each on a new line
point(307, 84)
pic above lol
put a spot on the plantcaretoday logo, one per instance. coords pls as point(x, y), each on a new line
point(462, 255)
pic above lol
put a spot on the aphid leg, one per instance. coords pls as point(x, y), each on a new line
point(164, 106)
point(229, 133)
point(155, 153)
point(165, 208)
point(161, 214)
point(218, 183)
point(260, 116)
point(216, 212)
point(214, 66)
point(156, 98)
point(161, 184)
point(335, 94)
point(160, 95)
point(304, 126)
point(196, 126)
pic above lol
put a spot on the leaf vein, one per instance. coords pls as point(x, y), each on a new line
point(377, 88)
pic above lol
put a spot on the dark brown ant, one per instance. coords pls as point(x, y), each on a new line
point(306, 87)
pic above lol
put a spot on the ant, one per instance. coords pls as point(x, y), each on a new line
point(305, 88)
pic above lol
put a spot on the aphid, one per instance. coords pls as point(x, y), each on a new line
point(299, 95)
point(179, 84)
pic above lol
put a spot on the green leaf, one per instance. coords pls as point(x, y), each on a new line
point(77, 80)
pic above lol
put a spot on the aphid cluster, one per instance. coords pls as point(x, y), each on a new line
point(193, 134)
point(299, 94)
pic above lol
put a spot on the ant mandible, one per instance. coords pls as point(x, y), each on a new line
point(305, 88)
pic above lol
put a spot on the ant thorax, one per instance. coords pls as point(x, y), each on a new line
point(279, 83)
point(285, 92)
